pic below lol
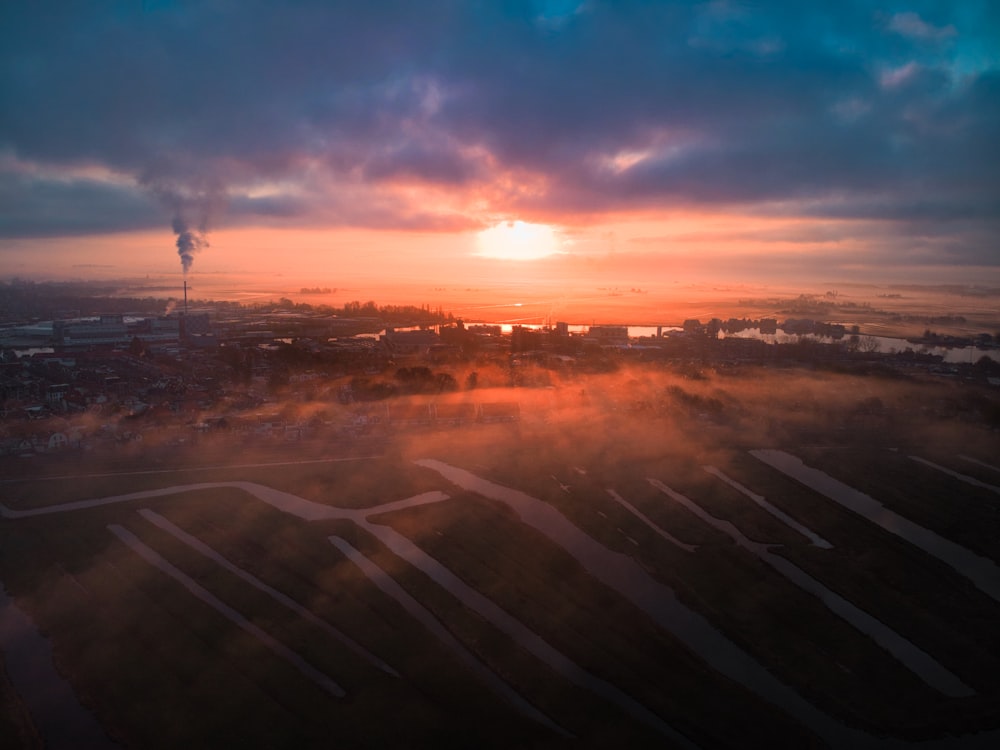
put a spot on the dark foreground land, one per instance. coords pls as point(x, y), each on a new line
point(161, 667)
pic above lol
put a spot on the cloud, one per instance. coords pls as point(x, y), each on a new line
point(895, 77)
point(910, 24)
point(353, 114)
point(34, 207)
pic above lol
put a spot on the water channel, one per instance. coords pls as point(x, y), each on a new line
point(625, 575)
point(916, 660)
point(983, 572)
point(56, 712)
point(614, 569)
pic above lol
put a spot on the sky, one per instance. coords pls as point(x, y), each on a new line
point(469, 140)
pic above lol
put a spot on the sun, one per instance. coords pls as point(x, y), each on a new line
point(517, 240)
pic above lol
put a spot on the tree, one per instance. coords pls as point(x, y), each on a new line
point(868, 344)
point(445, 382)
point(987, 364)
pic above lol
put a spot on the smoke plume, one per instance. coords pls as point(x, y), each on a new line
point(189, 240)
point(193, 208)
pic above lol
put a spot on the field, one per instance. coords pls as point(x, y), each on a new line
point(621, 567)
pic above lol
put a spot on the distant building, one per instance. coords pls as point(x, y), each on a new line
point(693, 325)
point(524, 339)
point(799, 325)
point(484, 330)
point(608, 332)
point(106, 331)
point(165, 329)
point(609, 335)
point(193, 324)
point(418, 342)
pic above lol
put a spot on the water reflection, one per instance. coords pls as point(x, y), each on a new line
point(631, 580)
point(915, 659)
point(57, 714)
point(983, 572)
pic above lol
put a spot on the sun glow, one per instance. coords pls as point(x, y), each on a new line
point(517, 240)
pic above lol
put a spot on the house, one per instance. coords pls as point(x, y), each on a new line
point(55, 395)
point(57, 441)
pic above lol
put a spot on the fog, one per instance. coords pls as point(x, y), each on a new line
point(580, 442)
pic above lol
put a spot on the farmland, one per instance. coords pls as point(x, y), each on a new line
point(609, 569)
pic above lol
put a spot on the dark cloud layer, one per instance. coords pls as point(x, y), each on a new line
point(323, 112)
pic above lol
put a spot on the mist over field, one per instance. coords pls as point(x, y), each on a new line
point(602, 450)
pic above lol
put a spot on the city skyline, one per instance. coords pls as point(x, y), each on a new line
point(463, 142)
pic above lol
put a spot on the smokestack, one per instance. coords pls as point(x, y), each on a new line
point(185, 297)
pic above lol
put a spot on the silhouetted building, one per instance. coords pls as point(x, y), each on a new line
point(106, 331)
point(194, 324)
point(156, 330)
point(609, 335)
point(693, 325)
point(409, 342)
point(526, 339)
